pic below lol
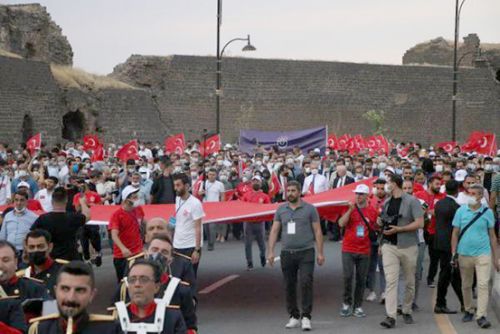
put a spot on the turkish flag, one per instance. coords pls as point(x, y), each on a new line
point(274, 186)
point(343, 142)
point(175, 144)
point(447, 146)
point(98, 154)
point(91, 142)
point(481, 142)
point(383, 144)
point(229, 195)
point(332, 142)
point(210, 146)
point(34, 143)
point(128, 151)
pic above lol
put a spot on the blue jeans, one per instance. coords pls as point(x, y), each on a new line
point(375, 261)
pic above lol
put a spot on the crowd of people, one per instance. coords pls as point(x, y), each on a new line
point(445, 205)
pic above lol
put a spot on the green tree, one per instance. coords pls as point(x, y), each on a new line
point(377, 118)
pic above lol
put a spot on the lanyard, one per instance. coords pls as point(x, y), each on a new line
point(181, 204)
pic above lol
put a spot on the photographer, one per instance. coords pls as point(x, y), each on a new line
point(401, 217)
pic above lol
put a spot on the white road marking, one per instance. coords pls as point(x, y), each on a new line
point(218, 284)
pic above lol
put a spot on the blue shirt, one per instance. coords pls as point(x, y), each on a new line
point(476, 241)
point(15, 227)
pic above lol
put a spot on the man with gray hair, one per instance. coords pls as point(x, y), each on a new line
point(473, 244)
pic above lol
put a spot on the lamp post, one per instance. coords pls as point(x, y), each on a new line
point(248, 47)
point(458, 9)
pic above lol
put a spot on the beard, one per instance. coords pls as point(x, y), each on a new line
point(292, 199)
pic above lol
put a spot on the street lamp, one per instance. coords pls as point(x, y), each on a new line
point(248, 47)
point(458, 10)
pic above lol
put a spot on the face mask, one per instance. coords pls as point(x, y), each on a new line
point(22, 173)
point(314, 171)
point(136, 184)
point(307, 170)
point(75, 168)
point(258, 163)
point(472, 201)
point(439, 168)
point(194, 175)
point(130, 170)
point(135, 204)
point(223, 178)
point(207, 169)
point(277, 165)
point(141, 147)
point(183, 161)
point(19, 210)
point(194, 160)
point(471, 166)
point(177, 170)
point(37, 258)
point(220, 162)
point(388, 188)
point(61, 164)
point(488, 168)
point(46, 163)
point(374, 191)
point(160, 260)
point(244, 179)
point(382, 166)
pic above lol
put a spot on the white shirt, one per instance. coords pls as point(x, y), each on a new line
point(5, 191)
point(45, 199)
point(146, 152)
point(463, 198)
point(213, 191)
point(320, 183)
point(186, 213)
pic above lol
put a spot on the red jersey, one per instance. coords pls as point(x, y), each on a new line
point(431, 200)
point(243, 188)
point(356, 239)
point(417, 187)
point(377, 203)
point(128, 225)
point(256, 197)
point(34, 205)
point(92, 198)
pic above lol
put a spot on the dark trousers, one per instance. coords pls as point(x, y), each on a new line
point(433, 259)
point(298, 267)
point(189, 252)
point(237, 228)
point(254, 231)
point(120, 267)
point(360, 263)
point(447, 275)
point(90, 235)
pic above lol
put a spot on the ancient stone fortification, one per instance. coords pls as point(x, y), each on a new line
point(29, 31)
point(150, 97)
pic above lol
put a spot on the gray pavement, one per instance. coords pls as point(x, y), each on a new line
point(253, 302)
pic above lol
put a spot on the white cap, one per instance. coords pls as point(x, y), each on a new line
point(362, 189)
point(257, 177)
point(432, 154)
point(23, 184)
point(129, 190)
point(228, 146)
point(317, 150)
point(460, 175)
point(390, 169)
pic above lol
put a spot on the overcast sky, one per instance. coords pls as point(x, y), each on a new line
point(104, 33)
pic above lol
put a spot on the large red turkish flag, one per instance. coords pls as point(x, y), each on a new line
point(481, 142)
point(175, 144)
point(210, 146)
point(447, 146)
point(34, 143)
point(128, 151)
point(91, 142)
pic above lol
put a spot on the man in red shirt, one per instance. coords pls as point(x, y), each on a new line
point(255, 230)
point(125, 230)
point(430, 197)
point(33, 204)
point(357, 222)
point(90, 233)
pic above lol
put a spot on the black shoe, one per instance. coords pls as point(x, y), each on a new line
point(415, 307)
point(483, 323)
point(430, 283)
point(249, 266)
point(98, 261)
point(408, 319)
point(263, 261)
point(210, 248)
point(388, 323)
point(400, 310)
point(468, 317)
point(443, 310)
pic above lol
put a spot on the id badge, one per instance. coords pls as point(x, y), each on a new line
point(360, 231)
point(290, 227)
point(172, 220)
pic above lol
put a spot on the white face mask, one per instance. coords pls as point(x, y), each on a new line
point(488, 167)
point(220, 162)
point(135, 203)
point(22, 173)
point(374, 191)
point(382, 166)
point(314, 171)
point(307, 170)
point(472, 201)
point(387, 188)
point(194, 175)
point(177, 170)
point(439, 168)
point(223, 177)
point(136, 184)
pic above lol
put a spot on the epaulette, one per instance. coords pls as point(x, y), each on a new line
point(20, 273)
point(182, 255)
point(101, 317)
point(8, 297)
point(45, 317)
point(174, 307)
point(33, 279)
point(61, 261)
point(185, 283)
point(135, 256)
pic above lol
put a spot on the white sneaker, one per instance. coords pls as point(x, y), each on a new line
point(306, 324)
point(382, 298)
point(293, 323)
point(372, 296)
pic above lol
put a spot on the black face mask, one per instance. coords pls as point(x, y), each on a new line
point(37, 258)
point(160, 260)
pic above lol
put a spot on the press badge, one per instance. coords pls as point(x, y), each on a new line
point(290, 227)
point(172, 220)
point(360, 231)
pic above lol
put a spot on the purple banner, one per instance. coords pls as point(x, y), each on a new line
point(308, 139)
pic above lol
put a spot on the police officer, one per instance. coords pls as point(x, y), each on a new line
point(38, 245)
point(159, 251)
point(145, 314)
point(74, 291)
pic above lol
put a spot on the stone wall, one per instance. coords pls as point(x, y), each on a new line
point(29, 31)
point(272, 94)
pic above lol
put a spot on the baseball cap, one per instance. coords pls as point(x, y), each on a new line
point(129, 190)
point(23, 184)
point(362, 189)
point(390, 169)
point(257, 177)
point(460, 175)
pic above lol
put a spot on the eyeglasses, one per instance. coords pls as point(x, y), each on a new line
point(141, 279)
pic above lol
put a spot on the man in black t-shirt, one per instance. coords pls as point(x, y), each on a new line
point(63, 226)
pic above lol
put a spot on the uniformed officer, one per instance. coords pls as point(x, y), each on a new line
point(159, 251)
point(23, 288)
point(74, 291)
point(11, 316)
point(38, 246)
point(145, 314)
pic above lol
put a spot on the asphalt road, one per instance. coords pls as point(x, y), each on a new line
point(238, 301)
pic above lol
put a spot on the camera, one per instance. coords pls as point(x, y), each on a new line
point(388, 220)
